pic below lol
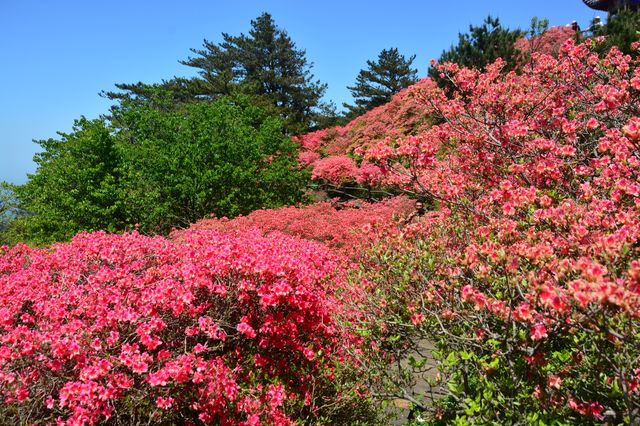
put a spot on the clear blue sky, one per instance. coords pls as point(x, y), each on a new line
point(58, 55)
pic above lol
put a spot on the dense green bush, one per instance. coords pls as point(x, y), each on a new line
point(621, 30)
point(155, 169)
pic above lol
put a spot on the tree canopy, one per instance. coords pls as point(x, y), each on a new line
point(382, 79)
point(621, 30)
point(482, 45)
point(155, 170)
point(265, 64)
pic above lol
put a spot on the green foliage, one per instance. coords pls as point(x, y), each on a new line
point(381, 80)
point(156, 169)
point(482, 45)
point(165, 95)
point(227, 158)
point(74, 187)
point(265, 64)
point(502, 378)
point(7, 200)
point(621, 29)
point(537, 27)
point(8, 209)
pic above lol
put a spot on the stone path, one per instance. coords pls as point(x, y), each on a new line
point(420, 389)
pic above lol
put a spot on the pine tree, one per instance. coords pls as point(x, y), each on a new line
point(482, 45)
point(381, 80)
point(167, 95)
point(621, 30)
point(264, 64)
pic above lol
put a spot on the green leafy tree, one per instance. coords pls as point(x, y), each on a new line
point(481, 46)
point(156, 169)
point(165, 95)
point(227, 158)
point(382, 79)
point(7, 198)
point(621, 30)
point(75, 186)
point(8, 209)
point(265, 64)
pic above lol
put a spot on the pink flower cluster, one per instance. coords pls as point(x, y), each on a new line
point(326, 150)
point(536, 179)
point(346, 230)
point(336, 169)
point(549, 42)
point(215, 329)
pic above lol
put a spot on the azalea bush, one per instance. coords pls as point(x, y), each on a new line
point(547, 41)
point(522, 273)
point(214, 329)
point(400, 117)
point(526, 273)
point(332, 155)
point(346, 230)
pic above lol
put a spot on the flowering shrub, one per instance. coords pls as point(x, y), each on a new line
point(307, 158)
point(527, 273)
point(549, 42)
point(336, 169)
point(369, 174)
point(399, 117)
point(345, 231)
point(334, 155)
point(213, 329)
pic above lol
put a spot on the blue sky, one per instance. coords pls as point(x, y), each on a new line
point(58, 55)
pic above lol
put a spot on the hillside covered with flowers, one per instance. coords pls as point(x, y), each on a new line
point(504, 237)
